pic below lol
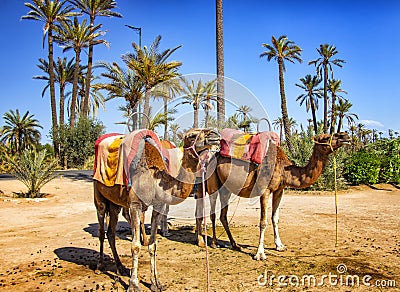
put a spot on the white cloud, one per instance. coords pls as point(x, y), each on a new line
point(372, 123)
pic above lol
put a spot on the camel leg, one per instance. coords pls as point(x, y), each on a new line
point(143, 236)
point(164, 222)
point(136, 211)
point(224, 196)
point(199, 216)
point(155, 281)
point(213, 203)
point(112, 226)
point(101, 207)
point(263, 226)
point(276, 199)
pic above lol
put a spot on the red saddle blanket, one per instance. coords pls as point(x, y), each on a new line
point(244, 146)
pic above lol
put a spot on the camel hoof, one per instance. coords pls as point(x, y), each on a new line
point(200, 242)
point(166, 234)
point(280, 248)
point(260, 257)
point(236, 247)
point(99, 269)
point(158, 287)
point(134, 288)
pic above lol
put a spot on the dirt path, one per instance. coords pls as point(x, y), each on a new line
point(52, 244)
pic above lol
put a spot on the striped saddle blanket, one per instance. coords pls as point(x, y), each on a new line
point(116, 154)
point(244, 146)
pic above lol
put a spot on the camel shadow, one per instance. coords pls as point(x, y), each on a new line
point(123, 229)
point(186, 234)
point(89, 258)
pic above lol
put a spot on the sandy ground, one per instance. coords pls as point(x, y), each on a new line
point(51, 244)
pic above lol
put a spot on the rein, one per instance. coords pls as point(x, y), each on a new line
point(203, 171)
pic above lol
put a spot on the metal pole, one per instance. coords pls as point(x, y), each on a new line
point(139, 31)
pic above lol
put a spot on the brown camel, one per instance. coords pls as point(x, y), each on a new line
point(247, 179)
point(151, 185)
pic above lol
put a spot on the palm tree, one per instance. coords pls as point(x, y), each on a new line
point(324, 66)
point(77, 37)
point(342, 112)
point(278, 124)
point(174, 128)
point(50, 12)
point(20, 132)
point(220, 62)
point(244, 112)
point(281, 50)
point(151, 67)
point(93, 8)
point(123, 83)
point(334, 89)
point(64, 75)
point(198, 96)
point(310, 96)
point(167, 90)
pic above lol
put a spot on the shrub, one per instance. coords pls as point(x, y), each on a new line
point(77, 144)
point(33, 169)
point(362, 167)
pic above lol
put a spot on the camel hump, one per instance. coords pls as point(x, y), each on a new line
point(153, 157)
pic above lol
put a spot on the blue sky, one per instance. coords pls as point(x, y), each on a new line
point(366, 34)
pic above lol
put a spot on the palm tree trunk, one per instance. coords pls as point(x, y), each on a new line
point(62, 105)
point(88, 75)
point(314, 116)
point(325, 99)
point(285, 116)
point(53, 103)
point(339, 126)
point(195, 117)
point(220, 63)
point(333, 113)
point(146, 109)
point(74, 90)
point(165, 99)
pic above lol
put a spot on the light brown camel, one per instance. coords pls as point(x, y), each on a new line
point(151, 185)
point(247, 179)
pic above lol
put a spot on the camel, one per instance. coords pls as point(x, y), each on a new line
point(247, 179)
point(151, 185)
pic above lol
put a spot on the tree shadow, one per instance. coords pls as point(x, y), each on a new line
point(82, 175)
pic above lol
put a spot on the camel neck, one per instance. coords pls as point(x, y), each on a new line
point(303, 177)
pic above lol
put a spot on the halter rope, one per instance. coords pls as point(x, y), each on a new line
point(203, 171)
point(335, 186)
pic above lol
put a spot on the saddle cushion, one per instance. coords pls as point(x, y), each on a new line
point(244, 146)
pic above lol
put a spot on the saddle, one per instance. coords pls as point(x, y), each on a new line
point(244, 146)
point(116, 155)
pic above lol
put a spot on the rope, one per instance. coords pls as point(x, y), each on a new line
point(336, 194)
point(335, 186)
point(203, 171)
point(203, 179)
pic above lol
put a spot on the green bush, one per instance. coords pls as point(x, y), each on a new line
point(33, 168)
point(362, 167)
point(77, 144)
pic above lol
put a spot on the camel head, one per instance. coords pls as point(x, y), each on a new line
point(201, 139)
point(325, 141)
